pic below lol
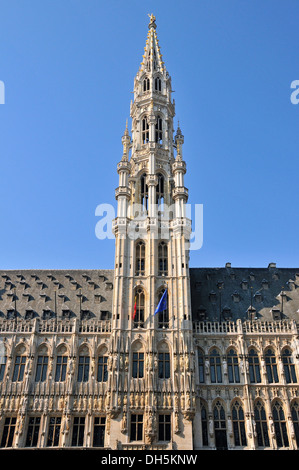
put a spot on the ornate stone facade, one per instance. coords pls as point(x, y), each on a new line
point(86, 362)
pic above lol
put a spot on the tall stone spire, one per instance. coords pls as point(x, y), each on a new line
point(152, 258)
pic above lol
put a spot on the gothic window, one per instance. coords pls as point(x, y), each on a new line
point(140, 303)
point(83, 365)
point(32, 431)
point(164, 363)
point(158, 86)
point(160, 191)
point(215, 366)
point(41, 368)
point(99, 431)
point(295, 419)
point(61, 366)
point(54, 431)
point(280, 425)
point(163, 316)
point(261, 425)
point(136, 430)
point(102, 375)
point(162, 259)
point(289, 366)
point(233, 366)
point(238, 424)
point(220, 426)
point(271, 366)
point(19, 368)
point(204, 425)
point(140, 259)
point(144, 192)
point(254, 366)
point(2, 366)
point(138, 365)
point(145, 131)
point(164, 427)
point(201, 366)
point(146, 84)
point(78, 431)
point(158, 130)
point(8, 431)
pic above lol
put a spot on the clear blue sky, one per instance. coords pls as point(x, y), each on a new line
point(68, 68)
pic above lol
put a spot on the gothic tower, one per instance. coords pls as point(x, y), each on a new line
point(152, 363)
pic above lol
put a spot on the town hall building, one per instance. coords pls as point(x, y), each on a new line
point(152, 354)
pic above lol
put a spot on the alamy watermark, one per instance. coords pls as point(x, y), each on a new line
point(164, 221)
point(295, 94)
point(2, 92)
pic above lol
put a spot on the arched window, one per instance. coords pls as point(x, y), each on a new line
point(160, 191)
point(271, 366)
point(144, 191)
point(163, 362)
point(137, 361)
point(233, 366)
point(2, 366)
point(61, 364)
point(146, 84)
point(145, 131)
point(204, 424)
point(261, 425)
point(201, 366)
point(83, 365)
point(254, 366)
point(102, 372)
point(140, 259)
point(163, 316)
point(158, 130)
point(158, 86)
point(289, 366)
point(162, 259)
point(215, 366)
point(238, 424)
point(280, 425)
point(295, 419)
point(19, 365)
point(42, 364)
point(138, 320)
point(220, 426)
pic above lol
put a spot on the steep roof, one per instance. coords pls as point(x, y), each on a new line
point(235, 290)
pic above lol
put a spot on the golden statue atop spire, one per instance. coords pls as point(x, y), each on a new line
point(152, 20)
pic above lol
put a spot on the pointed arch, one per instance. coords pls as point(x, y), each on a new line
point(145, 130)
point(261, 423)
point(162, 259)
point(238, 421)
point(140, 258)
point(280, 425)
point(139, 310)
point(159, 130)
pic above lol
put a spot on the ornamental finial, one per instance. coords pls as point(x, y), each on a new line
point(152, 21)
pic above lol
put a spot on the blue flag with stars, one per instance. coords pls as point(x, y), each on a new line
point(162, 305)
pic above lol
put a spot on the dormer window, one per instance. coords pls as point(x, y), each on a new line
point(276, 313)
point(145, 131)
point(11, 314)
point(146, 84)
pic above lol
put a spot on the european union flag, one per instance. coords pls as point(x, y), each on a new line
point(162, 305)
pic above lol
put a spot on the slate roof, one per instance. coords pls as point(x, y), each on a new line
point(234, 290)
point(57, 292)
